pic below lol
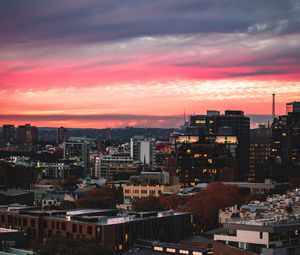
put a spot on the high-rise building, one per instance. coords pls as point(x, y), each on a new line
point(142, 150)
point(62, 135)
point(205, 158)
point(78, 151)
point(260, 151)
point(286, 138)
point(27, 134)
point(231, 123)
point(8, 133)
point(292, 107)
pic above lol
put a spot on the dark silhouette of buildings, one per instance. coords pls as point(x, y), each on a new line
point(62, 135)
point(27, 134)
point(232, 123)
point(8, 134)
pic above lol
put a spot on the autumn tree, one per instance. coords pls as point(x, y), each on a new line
point(206, 204)
point(101, 197)
point(147, 204)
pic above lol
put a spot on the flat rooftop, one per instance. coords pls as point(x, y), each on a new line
point(7, 230)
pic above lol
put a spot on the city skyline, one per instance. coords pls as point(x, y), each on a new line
point(98, 64)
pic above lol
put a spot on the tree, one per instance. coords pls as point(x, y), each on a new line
point(62, 246)
point(206, 204)
point(70, 182)
point(147, 204)
point(100, 197)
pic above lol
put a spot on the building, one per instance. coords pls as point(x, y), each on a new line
point(62, 135)
point(266, 236)
point(292, 107)
point(149, 184)
point(27, 134)
point(8, 134)
point(286, 138)
point(231, 123)
point(142, 150)
point(13, 196)
point(259, 154)
point(109, 165)
point(11, 238)
point(78, 151)
point(205, 158)
point(118, 231)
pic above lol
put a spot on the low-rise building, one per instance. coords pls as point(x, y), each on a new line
point(266, 236)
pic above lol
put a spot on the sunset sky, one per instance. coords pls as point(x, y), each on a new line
point(114, 63)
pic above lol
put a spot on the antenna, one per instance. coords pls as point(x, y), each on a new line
point(184, 116)
point(273, 106)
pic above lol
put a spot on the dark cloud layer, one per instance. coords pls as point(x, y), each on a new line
point(95, 21)
point(166, 121)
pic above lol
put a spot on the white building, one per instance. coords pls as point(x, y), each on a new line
point(267, 236)
point(142, 150)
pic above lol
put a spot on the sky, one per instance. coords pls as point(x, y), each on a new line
point(96, 63)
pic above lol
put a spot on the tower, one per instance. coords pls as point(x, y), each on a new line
point(273, 106)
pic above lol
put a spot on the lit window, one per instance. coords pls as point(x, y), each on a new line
point(209, 161)
point(197, 253)
point(156, 248)
point(171, 250)
point(183, 251)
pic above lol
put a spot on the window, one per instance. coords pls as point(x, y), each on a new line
point(197, 253)
point(90, 230)
point(171, 250)
point(183, 251)
point(156, 248)
point(80, 229)
point(74, 228)
point(32, 223)
point(260, 235)
point(63, 226)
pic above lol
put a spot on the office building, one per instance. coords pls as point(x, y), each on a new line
point(27, 134)
point(149, 184)
point(8, 134)
point(292, 107)
point(62, 135)
point(78, 151)
point(117, 231)
point(109, 165)
point(142, 150)
point(286, 138)
point(259, 154)
point(233, 123)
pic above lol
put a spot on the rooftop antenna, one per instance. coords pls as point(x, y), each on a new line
point(184, 116)
point(273, 106)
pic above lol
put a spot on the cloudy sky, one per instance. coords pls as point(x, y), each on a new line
point(96, 63)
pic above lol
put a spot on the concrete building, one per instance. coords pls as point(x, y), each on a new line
point(118, 231)
point(149, 184)
point(230, 123)
point(267, 236)
point(78, 151)
point(108, 165)
point(142, 150)
point(62, 135)
point(8, 134)
point(27, 134)
point(292, 107)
